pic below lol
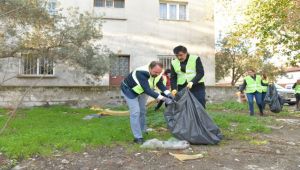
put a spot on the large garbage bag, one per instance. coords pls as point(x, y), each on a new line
point(272, 98)
point(188, 120)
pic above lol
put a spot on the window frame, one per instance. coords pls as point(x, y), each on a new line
point(22, 69)
point(178, 4)
point(105, 5)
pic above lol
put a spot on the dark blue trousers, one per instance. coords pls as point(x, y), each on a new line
point(258, 99)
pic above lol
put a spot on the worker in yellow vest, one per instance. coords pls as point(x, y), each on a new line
point(296, 87)
point(187, 71)
point(265, 84)
point(253, 85)
point(136, 88)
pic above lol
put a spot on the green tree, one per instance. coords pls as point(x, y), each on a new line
point(28, 27)
point(234, 58)
point(275, 26)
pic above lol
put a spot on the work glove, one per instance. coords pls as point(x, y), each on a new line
point(174, 92)
point(189, 85)
point(167, 100)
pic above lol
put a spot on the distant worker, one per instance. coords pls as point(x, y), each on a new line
point(296, 87)
point(136, 88)
point(253, 85)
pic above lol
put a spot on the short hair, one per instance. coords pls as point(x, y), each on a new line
point(155, 63)
point(179, 48)
point(251, 69)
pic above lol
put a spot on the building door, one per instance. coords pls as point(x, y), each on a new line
point(119, 70)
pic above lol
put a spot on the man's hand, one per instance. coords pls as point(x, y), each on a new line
point(167, 100)
point(174, 92)
point(189, 85)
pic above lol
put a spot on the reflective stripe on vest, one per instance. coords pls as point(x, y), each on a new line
point(265, 88)
point(190, 70)
point(253, 85)
point(152, 81)
point(297, 89)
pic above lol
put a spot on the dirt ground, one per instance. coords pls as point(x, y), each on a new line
point(280, 150)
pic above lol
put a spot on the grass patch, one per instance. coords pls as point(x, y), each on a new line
point(46, 130)
point(42, 131)
point(228, 105)
point(238, 126)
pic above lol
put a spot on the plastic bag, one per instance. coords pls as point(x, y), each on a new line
point(274, 101)
point(170, 144)
point(188, 120)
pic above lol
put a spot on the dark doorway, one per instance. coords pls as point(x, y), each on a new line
point(119, 70)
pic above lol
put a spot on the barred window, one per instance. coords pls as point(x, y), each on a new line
point(166, 60)
point(32, 65)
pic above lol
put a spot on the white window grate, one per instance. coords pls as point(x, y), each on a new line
point(31, 65)
point(166, 60)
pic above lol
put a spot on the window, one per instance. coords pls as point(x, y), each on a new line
point(119, 3)
point(52, 7)
point(99, 3)
point(173, 11)
point(166, 60)
point(109, 3)
point(182, 12)
point(31, 65)
point(163, 11)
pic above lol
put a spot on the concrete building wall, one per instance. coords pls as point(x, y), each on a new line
point(136, 30)
point(85, 96)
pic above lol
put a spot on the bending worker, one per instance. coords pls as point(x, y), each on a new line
point(187, 71)
point(136, 88)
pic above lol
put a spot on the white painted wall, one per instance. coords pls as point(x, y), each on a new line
point(136, 30)
point(141, 34)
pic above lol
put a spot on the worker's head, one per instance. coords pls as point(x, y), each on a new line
point(251, 72)
point(298, 81)
point(180, 52)
point(155, 68)
point(264, 76)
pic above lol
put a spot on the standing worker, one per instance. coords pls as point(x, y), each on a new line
point(265, 84)
point(136, 88)
point(253, 85)
point(187, 71)
point(296, 87)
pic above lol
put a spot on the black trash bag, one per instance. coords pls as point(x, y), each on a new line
point(188, 120)
point(274, 101)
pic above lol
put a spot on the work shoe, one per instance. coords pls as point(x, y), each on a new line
point(138, 140)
